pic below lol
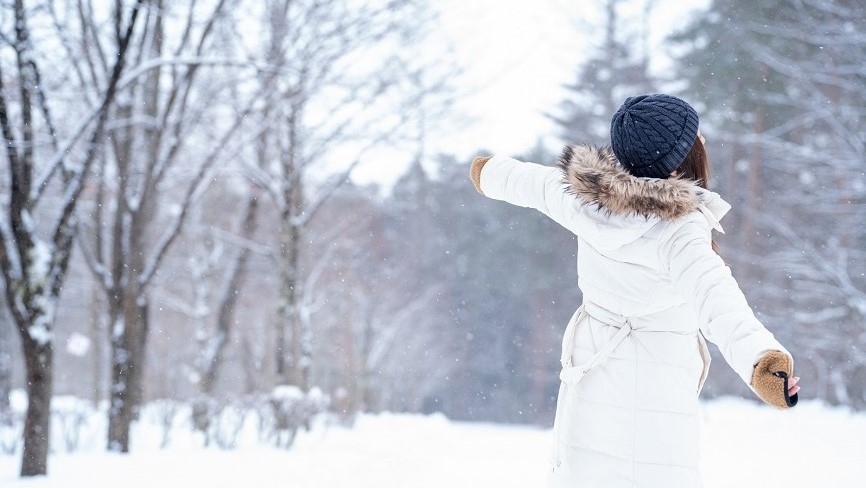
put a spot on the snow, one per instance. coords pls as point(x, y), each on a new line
point(40, 259)
point(117, 328)
point(287, 393)
point(40, 332)
point(78, 344)
point(27, 220)
point(744, 444)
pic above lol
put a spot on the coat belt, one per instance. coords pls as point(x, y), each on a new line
point(572, 374)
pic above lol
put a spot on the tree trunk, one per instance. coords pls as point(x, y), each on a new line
point(118, 439)
point(299, 373)
point(39, 360)
point(140, 321)
point(36, 293)
point(98, 350)
point(294, 369)
point(289, 356)
point(228, 303)
point(129, 334)
point(5, 361)
point(129, 314)
point(285, 300)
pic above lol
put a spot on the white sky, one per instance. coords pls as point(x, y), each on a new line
point(516, 55)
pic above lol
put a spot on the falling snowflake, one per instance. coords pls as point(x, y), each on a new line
point(78, 344)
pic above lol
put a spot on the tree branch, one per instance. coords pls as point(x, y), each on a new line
point(64, 228)
point(195, 187)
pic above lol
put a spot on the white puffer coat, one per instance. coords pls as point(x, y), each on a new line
point(634, 356)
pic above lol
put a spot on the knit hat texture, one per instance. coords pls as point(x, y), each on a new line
point(652, 134)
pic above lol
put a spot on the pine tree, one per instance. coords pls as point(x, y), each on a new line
point(613, 72)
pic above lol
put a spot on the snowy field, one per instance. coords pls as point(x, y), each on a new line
point(744, 445)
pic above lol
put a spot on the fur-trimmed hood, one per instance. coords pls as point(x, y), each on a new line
point(594, 176)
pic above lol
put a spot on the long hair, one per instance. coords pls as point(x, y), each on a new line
point(696, 167)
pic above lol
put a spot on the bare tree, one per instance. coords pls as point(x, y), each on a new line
point(34, 267)
point(212, 354)
point(218, 268)
point(151, 178)
point(343, 73)
point(5, 360)
point(393, 345)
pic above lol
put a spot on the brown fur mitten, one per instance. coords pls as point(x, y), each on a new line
point(475, 171)
point(770, 379)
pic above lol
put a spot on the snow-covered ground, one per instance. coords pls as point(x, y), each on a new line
point(743, 445)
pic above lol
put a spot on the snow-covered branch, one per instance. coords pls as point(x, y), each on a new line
point(198, 184)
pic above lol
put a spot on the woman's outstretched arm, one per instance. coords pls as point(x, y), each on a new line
point(525, 184)
point(725, 317)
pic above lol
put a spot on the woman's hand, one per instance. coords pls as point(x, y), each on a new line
point(793, 388)
point(773, 380)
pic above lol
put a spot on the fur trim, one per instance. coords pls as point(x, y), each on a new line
point(595, 176)
point(475, 171)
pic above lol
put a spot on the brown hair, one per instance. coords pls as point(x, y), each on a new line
point(696, 167)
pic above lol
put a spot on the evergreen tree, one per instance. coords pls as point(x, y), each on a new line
point(508, 286)
point(613, 72)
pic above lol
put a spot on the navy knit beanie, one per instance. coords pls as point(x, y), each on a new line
point(652, 134)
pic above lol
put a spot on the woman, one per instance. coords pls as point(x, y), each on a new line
point(634, 356)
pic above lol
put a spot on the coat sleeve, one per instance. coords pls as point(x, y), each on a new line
point(529, 185)
point(725, 317)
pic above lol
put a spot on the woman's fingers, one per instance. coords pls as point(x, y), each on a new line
point(792, 386)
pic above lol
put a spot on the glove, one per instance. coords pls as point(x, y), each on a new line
point(475, 171)
point(770, 379)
